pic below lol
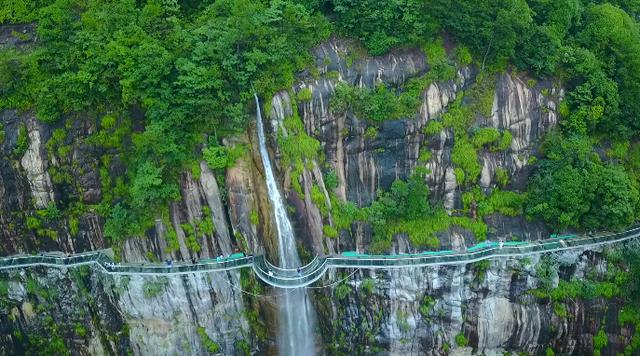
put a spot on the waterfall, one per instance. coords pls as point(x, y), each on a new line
point(297, 317)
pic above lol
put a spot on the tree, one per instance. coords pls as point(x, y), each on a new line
point(383, 25)
point(573, 188)
point(149, 189)
point(615, 39)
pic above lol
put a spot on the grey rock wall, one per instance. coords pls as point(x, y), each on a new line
point(421, 311)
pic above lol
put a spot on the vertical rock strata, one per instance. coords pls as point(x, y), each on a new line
point(414, 311)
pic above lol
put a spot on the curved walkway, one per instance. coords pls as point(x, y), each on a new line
point(306, 275)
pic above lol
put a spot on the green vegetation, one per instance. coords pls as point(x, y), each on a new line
point(371, 132)
point(221, 157)
point(304, 94)
point(574, 188)
point(382, 26)
point(465, 157)
point(600, 340)
point(210, 345)
point(368, 285)
point(404, 209)
point(342, 291)
point(482, 93)
point(492, 138)
point(23, 142)
point(426, 307)
point(162, 84)
point(594, 49)
point(243, 347)
point(385, 103)
point(461, 340)
point(480, 269)
point(188, 68)
point(298, 148)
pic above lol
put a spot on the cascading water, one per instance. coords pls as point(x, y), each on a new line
point(297, 317)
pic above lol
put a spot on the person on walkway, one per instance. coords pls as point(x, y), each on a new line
point(194, 260)
point(298, 270)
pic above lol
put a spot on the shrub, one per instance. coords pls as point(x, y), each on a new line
point(484, 136)
point(172, 241)
point(297, 146)
point(33, 223)
point(560, 310)
point(433, 127)
point(318, 199)
point(463, 56)
point(331, 180)
point(619, 149)
point(435, 51)
point(464, 156)
point(505, 141)
point(600, 340)
point(425, 156)
point(507, 202)
point(459, 173)
point(304, 95)
point(221, 157)
point(426, 306)
point(401, 321)
point(502, 176)
point(368, 285)
point(244, 347)
point(371, 133)
point(458, 118)
point(22, 144)
point(255, 220)
point(191, 240)
point(210, 345)
point(108, 122)
point(480, 268)
point(482, 94)
point(329, 231)
point(342, 290)
point(492, 137)
point(461, 341)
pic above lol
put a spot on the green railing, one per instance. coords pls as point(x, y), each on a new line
point(283, 278)
point(305, 275)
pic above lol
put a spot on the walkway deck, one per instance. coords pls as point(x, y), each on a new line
point(291, 278)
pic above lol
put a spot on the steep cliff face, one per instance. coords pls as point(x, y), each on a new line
point(169, 315)
point(416, 311)
point(366, 163)
point(100, 314)
point(47, 170)
point(49, 311)
point(474, 308)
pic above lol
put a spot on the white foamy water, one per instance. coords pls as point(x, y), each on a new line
point(297, 316)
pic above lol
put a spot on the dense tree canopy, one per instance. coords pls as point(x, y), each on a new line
point(163, 77)
point(574, 188)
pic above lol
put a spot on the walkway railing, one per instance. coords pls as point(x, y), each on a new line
point(306, 275)
point(276, 278)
